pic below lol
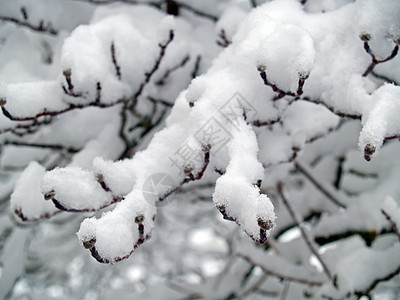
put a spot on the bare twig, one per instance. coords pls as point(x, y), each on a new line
point(318, 185)
point(115, 63)
point(365, 38)
point(24, 129)
point(39, 28)
point(226, 269)
point(122, 127)
point(155, 67)
point(281, 93)
point(332, 109)
point(53, 113)
point(385, 78)
point(304, 234)
point(168, 72)
point(296, 96)
point(179, 288)
point(196, 11)
point(282, 276)
point(190, 176)
point(196, 67)
point(392, 223)
point(258, 123)
point(255, 286)
point(24, 218)
point(224, 41)
point(43, 146)
point(160, 101)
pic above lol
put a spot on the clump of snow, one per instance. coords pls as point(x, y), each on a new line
point(27, 99)
point(116, 233)
point(288, 54)
point(75, 189)
point(380, 22)
point(382, 120)
point(119, 176)
point(230, 21)
point(27, 198)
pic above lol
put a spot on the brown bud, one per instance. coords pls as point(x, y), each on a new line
point(304, 76)
point(99, 177)
point(369, 150)
point(221, 208)
point(261, 68)
point(89, 244)
point(265, 224)
point(139, 219)
point(188, 169)
point(365, 37)
point(206, 148)
point(49, 195)
point(67, 73)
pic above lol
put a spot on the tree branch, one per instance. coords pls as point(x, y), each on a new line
point(38, 28)
point(168, 72)
point(306, 238)
point(392, 223)
point(149, 74)
point(281, 276)
point(318, 185)
point(365, 38)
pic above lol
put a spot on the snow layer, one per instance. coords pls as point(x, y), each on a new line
point(257, 79)
point(27, 198)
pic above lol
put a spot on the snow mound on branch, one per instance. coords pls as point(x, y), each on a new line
point(27, 198)
point(382, 120)
point(75, 189)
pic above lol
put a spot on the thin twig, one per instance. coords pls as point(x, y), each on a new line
point(160, 101)
point(58, 147)
point(115, 63)
point(281, 276)
point(168, 72)
point(39, 28)
point(318, 185)
point(392, 223)
point(281, 93)
point(224, 41)
point(18, 212)
point(385, 78)
point(155, 67)
point(255, 286)
point(304, 234)
point(332, 109)
point(225, 271)
point(258, 123)
point(197, 12)
point(122, 127)
point(365, 38)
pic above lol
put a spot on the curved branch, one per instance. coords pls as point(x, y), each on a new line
point(306, 238)
point(39, 28)
point(282, 276)
point(374, 61)
point(318, 185)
